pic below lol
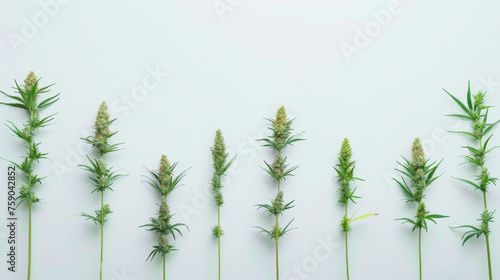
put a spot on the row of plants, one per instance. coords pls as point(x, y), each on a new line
point(417, 173)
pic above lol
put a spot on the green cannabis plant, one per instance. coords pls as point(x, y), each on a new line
point(164, 181)
point(476, 113)
point(420, 174)
point(345, 176)
point(221, 165)
point(27, 98)
point(102, 175)
point(281, 138)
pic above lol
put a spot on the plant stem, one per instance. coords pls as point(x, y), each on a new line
point(218, 213)
point(420, 251)
point(346, 248)
point(488, 241)
point(29, 244)
point(102, 231)
point(277, 238)
point(164, 267)
point(346, 256)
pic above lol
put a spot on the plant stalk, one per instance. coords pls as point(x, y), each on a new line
point(164, 267)
point(277, 239)
point(346, 247)
point(29, 244)
point(488, 242)
point(218, 239)
point(420, 251)
point(102, 232)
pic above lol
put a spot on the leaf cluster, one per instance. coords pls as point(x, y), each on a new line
point(486, 218)
point(276, 231)
point(345, 173)
point(27, 98)
point(419, 179)
point(221, 165)
point(420, 174)
point(277, 206)
point(102, 175)
point(346, 222)
point(100, 216)
point(164, 181)
point(421, 218)
point(166, 186)
point(476, 112)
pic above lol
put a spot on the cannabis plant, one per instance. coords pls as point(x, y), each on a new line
point(281, 138)
point(221, 165)
point(164, 181)
point(102, 175)
point(476, 113)
point(27, 98)
point(420, 174)
point(345, 175)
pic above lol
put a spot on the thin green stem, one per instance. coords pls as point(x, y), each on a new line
point(346, 248)
point(29, 244)
point(277, 239)
point(488, 242)
point(102, 231)
point(420, 251)
point(164, 267)
point(484, 199)
point(218, 213)
point(489, 257)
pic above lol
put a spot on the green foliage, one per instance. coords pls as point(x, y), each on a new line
point(164, 181)
point(476, 113)
point(277, 231)
point(102, 176)
point(345, 173)
point(421, 218)
point(100, 216)
point(486, 218)
point(217, 232)
point(277, 206)
point(279, 139)
point(27, 97)
point(102, 133)
point(420, 174)
point(221, 165)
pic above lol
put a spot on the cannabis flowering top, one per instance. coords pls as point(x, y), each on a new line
point(476, 113)
point(420, 175)
point(164, 182)
point(27, 99)
point(220, 165)
point(102, 132)
point(281, 138)
point(102, 175)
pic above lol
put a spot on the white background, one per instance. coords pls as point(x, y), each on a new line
point(229, 70)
